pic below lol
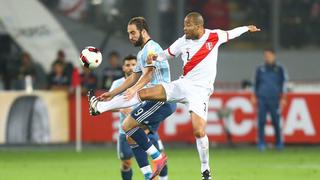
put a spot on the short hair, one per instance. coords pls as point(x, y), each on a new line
point(140, 22)
point(270, 49)
point(196, 17)
point(129, 57)
point(114, 53)
point(57, 63)
point(26, 54)
point(61, 52)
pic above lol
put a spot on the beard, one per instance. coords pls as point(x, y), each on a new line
point(127, 74)
point(192, 36)
point(139, 42)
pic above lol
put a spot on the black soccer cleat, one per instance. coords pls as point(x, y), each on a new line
point(93, 101)
point(206, 175)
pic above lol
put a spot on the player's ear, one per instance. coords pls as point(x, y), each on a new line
point(144, 32)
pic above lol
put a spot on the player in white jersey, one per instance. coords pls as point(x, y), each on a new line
point(199, 51)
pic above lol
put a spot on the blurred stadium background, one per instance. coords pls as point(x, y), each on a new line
point(39, 115)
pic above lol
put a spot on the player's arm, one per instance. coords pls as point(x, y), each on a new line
point(130, 81)
point(236, 32)
point(256, 86)
point(144, 80)
point(171, 52)
point(283, 83)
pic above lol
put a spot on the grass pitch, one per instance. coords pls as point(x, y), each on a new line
point(293, 163)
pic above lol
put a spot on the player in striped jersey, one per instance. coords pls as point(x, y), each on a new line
point(149, 113)
point(125, 153)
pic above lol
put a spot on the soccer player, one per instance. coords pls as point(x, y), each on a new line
point(125, 153)
point(198, 48)
point(149, 113)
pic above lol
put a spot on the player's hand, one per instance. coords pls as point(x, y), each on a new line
point(253, 100)
point(283, 103)
point(107, 96)
point(151, 57)
point(253, 28)
point(129, 93)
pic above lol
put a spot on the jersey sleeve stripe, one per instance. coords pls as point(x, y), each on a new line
point(170, 52)
point(227, 35)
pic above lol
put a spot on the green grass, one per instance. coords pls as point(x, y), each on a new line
point(102, 164)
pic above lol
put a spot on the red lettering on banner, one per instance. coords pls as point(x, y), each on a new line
point(231, 116)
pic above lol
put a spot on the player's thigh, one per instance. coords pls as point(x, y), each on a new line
point(123, 148)
point(198, 123)
point(145, 110)
point(152, 113)
point(176, 90)
point(156, 93)
point(198, 108)
point(198, 99)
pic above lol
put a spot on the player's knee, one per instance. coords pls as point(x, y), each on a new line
point(124, 127)
point(127, 124)
point(143, 94)
point(199, 132)
point(126, 164)
point(130, 141)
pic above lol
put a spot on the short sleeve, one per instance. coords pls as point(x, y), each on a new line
point(113, 86)
point(174, 49)
point(138, 67)
point(223, 36)
point(150, 49)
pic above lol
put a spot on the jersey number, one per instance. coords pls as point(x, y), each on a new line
point(188, 56)
point(138, 112)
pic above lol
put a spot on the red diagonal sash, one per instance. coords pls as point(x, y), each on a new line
point(202, 53)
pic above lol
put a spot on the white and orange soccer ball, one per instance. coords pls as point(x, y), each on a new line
point(90, 57)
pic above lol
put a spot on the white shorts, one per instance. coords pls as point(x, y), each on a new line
point(195, 96)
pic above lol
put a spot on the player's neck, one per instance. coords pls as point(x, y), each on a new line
point(202, 32)
point(145, 41)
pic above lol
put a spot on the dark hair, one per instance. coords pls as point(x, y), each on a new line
point(140, 22)
point(114, 53)
point(196, 17)
point(60, 52)
point(269, 49)
point(57, 63)
point(129, 57)
point(26, 54)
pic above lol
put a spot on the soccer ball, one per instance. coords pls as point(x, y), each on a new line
point(90, 57)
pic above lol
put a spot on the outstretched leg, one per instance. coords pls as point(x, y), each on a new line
point(156, 93)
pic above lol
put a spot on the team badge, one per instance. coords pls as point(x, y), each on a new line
point(209, 45)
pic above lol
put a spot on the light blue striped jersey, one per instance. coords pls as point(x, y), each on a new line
point(115, 84)
point(162, 70)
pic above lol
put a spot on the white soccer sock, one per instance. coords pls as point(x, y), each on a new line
point(117, 102)
point(203, 150)
point(154, 153)
point(163, 177)
point(146, 170)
